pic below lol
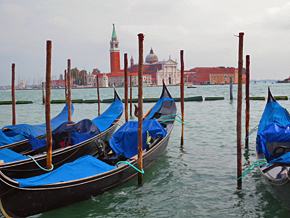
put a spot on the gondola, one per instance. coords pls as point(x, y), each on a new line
point(92, 175)
point(15, 137)
point(272, 149)
point(70, 141)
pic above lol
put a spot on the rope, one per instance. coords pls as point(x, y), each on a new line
point(172, 120)
point(253, 130)
point(39, 165)
point(170, 116)
point(254, 165)
point(130, 166)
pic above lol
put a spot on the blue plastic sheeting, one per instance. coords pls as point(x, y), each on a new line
point(105, 120)
point(157, 107)
point(8, 156)
point(284, 159)
point(83, 167)
point(80, 137)
point(125, 140)
point(274, 113)
point(272, 133)
point(22, 131)
point(80, 132)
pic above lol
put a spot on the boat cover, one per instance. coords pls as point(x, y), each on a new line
point(284, 159)
point(274, 113)
point(125, 139)
point(77, 133)
point(273, 132)
point(8, 156)
point(22, 131)
point(105, 120)
point(157, 107)
point(83, 167)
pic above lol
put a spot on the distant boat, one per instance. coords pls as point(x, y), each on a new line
point(191, 86)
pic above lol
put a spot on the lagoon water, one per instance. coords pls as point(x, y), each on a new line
point(197, 180)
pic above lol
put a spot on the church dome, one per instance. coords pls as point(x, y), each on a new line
point(151, 58)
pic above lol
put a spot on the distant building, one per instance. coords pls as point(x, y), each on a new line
point(154, 71)
point(213, 75)
point(114, 52)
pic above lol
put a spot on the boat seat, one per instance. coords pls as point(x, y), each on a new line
point(272, 146)
point(114, 159)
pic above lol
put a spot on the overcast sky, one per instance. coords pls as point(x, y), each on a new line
point(81, 30)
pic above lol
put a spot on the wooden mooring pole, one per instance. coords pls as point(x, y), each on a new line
point(43, 92)
point(239, 111)
point(69, 88)
point(126, 86)
point(247, 99)
point(131, 95)
point(65, 85)
point(231, 88)
point(13, 95)
point(98, 90)
point(182, 95)
point(47, 106)
point(140, 108)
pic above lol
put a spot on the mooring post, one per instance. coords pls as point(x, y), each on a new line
point(69, 89)
point(13, 95)
point(126, 86)
point(247, 99)
point(43, 92)
point(98, 90)
point(131, 95)
point(65, 85)
point(47, 106)
point(182, 95)
point(140, 108)
point(231, 88)
point(239, 111)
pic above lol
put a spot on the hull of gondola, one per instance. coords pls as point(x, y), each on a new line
point(22, 202)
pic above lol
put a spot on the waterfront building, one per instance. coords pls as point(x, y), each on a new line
point(213, 75)
point(154, 71)
point(159, 70)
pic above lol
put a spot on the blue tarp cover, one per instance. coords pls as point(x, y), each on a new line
point(105, 120)
point(284, 159)
point(274, 113)
point(125, 140)
point(83, 167)
point(273, 132)
point(157, 107)
point(80, 132)
point(22, 131)
point(8, 156)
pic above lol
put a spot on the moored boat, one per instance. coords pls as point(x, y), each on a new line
point(15, 137)
point(71, 141)
point(92, 175)
point(272, 147)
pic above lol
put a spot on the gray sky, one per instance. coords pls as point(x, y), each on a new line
point(80, 30)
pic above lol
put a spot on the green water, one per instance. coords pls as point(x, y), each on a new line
point(198, 180)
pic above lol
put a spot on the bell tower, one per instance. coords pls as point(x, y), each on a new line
point(114, 52)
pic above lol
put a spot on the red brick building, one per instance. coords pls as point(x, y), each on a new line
point(213, 75)
point(114, 52)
